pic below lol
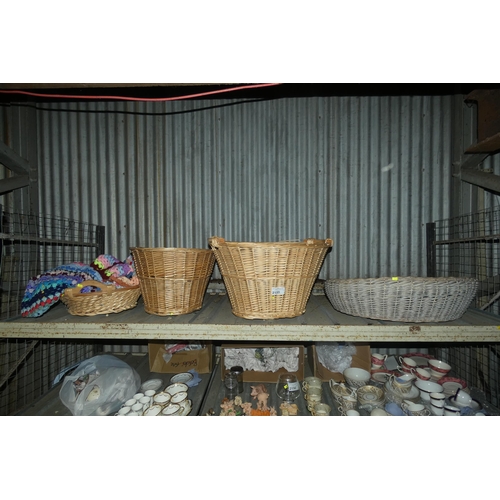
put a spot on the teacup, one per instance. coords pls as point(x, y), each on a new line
point(379, 412)
point(176, 387)
point(349, 402)
point(451, 411)
point(313, 395)
point(311, 382)
point(414, 409)
point(407, 364)
point(438, 399)
point(130, 402)
point(150, 393)
point(356, 377)
point(172, 410)
point(352, 413)
point(403, 383)
point(179, 397)
point(422, 373)
point(162, 398)
point(437, 410)
point(124, 410)
point(138, 408)
point(321, 410)
point(138, 395)
point(462, 398)
point(339, 390)
point(378, 360)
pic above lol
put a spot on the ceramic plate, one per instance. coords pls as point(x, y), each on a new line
point(182, 378)
point(451, 385)
point(413, 393)
point(420, 358)
point(152, 384)
point(380, 375)
point(153, 411)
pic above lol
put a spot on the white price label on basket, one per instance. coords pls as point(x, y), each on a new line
point(278, 290)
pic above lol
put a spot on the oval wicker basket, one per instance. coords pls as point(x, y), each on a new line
point(269, 280)
point(173, 281)
point(405, 299)
point(109, 299)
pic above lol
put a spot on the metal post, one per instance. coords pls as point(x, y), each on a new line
point(430, 231)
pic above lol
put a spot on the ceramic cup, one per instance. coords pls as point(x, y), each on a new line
point(437, 410)
point(124, 410)
point(179, 397)
point(162, 398)
point(451, 411)
point(462, 398)
point(422, 373)
point(414, 409)
point(138, 395)
point(172, 410)
point(321, 410)
point(349, 401)
point(438, 399)
point(130, 402)
point(352, 413)
point(378, 360)
point(379, 412)
point(403, 383)
point(145, 401)
point(426, 387)
point(138, 408)
point(407, 364)
point(311, 382)
point(150, 393)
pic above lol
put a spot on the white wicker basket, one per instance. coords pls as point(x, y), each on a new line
point(406, 299)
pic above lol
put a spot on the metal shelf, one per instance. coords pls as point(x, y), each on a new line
point(215, 321)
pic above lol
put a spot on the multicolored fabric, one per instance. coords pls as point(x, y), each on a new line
point(44, 290)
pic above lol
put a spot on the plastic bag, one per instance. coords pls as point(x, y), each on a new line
point(336, 356)
point(99, 386)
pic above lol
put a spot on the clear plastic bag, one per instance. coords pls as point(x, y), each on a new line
point(99, 386)
point(335, 356)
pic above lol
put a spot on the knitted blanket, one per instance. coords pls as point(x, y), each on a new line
point(44, 290)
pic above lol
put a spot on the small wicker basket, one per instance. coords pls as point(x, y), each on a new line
point(109, 299)
point(405, 299)
point(269, 280)
point(173, 281)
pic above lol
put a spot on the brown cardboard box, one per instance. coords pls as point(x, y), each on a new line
point(200, 360)
point(362, 359)
point(255, 376)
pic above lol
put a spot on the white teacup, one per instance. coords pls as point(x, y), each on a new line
point(321, 410)
point(356, 377)
point(451, 411)
point(462, 398)
point(162, 398)
point(311, 382)
point(352, 413)
point(438, 399)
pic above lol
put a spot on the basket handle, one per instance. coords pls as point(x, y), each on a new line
point(216, 241)
point(313, 242)
point(72, 292)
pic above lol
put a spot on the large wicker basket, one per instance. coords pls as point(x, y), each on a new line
point(173, 281)
point(405, 299)
point(269, 280)
point(109, 299)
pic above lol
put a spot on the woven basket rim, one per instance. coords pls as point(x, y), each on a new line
point(172, 249)
point(406, 278)
point(308, 242)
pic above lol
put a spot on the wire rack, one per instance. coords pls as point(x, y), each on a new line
point(469, 246)
point(30, 245)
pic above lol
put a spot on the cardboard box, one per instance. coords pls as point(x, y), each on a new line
point(200, 360)
point(256, 376)
point(362, 359)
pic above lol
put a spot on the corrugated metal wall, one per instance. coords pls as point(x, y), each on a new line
point(368, 172)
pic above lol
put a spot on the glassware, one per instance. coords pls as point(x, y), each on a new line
point(288, 387)
point(231, 385)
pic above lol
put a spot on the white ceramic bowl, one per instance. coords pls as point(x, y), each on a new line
point(426, 387)
point(356, 377)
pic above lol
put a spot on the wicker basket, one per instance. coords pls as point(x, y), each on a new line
point(109, 299)
point(406, 299)
point(173, 281)
point(269, 280)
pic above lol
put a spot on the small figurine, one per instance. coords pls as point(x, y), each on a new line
point(289, 409)
point(260, 393)
point(247, 408)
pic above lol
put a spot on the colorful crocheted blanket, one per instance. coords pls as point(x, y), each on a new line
point(44, 290)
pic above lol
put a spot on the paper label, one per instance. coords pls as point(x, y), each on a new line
point(278, 290)
point(294, 386)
